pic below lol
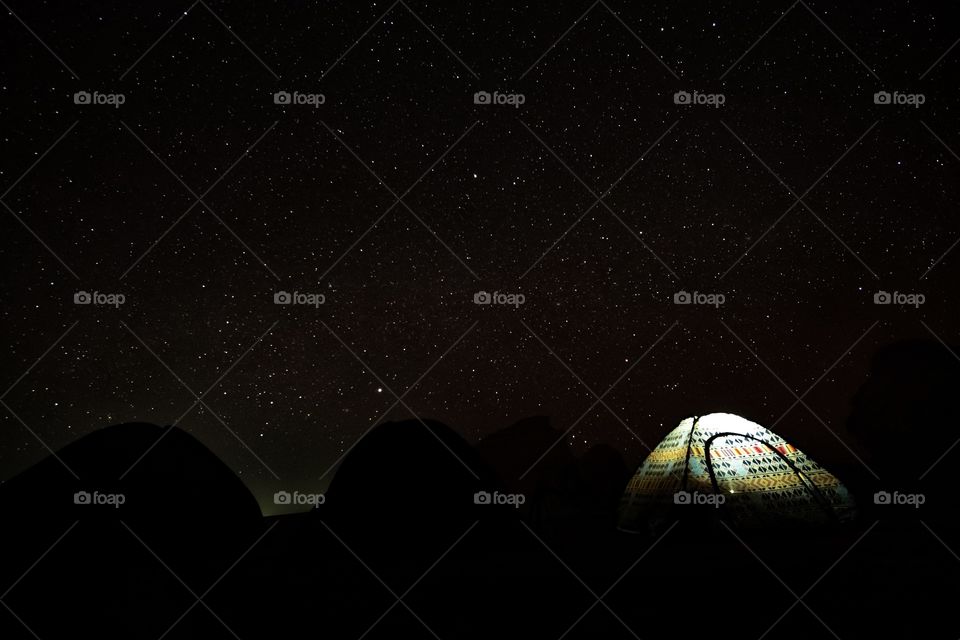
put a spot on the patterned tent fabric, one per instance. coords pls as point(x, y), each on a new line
point(724, 465)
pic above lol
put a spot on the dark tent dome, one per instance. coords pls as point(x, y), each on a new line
point(413, 466)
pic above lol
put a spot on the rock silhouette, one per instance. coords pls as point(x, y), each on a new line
point(905, 414)
point(401, 547)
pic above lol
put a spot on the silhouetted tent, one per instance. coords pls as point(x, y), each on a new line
point(909, 400)
point(726, 466)
point(532, 458)
point(182, 511)
point(603, 473)
point(163, 473)
point(413, 467)
point(403, 493)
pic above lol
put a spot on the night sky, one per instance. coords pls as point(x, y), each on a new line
point(398, 199)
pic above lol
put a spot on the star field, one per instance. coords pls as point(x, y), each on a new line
point(399, 198)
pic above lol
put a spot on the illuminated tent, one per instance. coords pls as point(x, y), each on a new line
point(724, 465)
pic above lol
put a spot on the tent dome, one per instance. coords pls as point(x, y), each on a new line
point(724, 465)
